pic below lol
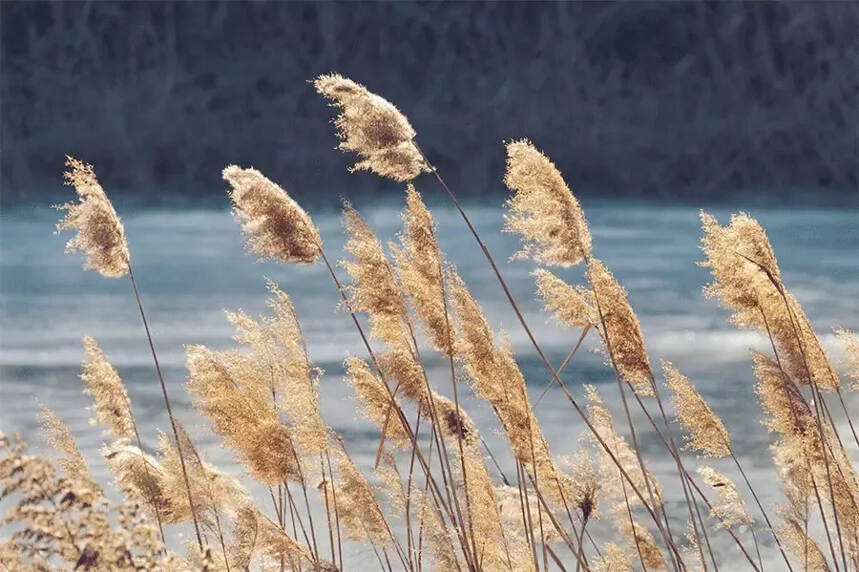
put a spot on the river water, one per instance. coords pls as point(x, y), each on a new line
point(190, 265)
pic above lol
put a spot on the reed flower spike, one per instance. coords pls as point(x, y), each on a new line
point(746, 279)
point(101, 236)
point(731, 509)
point(543, 210)
point(620, 329)
point(420, 270)
point(274, 225)
point(374, 128)
point(374, 288)
point(572, 306)
point(707, 433)
point(112, 405)
point(851, 355)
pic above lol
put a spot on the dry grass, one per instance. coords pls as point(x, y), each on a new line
point(434, 500)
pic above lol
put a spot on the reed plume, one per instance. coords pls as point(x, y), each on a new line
point(258, 540)
point(360, 512)
point(803, 546)
point(213, 491)
point(284, 368)
point(62, 521)
point(375, 400)
point(273, 224)
point(438, 537)
point(231, 390)
point(496, 378)
point(747, 279)
point(807, 453)
point(139, 474)
point(707, 433)
point(613, 559)
point(419, 266)
point(612, 483)
point(570, 305)
point(100, 234)
point(640, 540)
point(620, 329)
point(111, 403)
point(59, 436)
point(731, 509)
point(372, 127)
point(374, 289)
point(851, 355)
point(543, 210)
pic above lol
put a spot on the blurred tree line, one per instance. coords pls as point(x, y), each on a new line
point(680, 100)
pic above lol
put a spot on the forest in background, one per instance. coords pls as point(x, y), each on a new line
point(681, 101)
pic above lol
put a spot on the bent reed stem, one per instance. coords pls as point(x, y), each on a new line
point(169, 408)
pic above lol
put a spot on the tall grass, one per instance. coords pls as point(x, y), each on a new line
point(436, 496)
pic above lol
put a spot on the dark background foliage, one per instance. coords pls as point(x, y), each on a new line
point(685, 101)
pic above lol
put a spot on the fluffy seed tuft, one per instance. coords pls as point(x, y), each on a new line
point(101, 236)
point(273, 223)
point(374, 128)
point(543, 210)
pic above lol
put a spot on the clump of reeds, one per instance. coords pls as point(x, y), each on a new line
point(433, 498)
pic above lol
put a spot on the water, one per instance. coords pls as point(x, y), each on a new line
point(190, 266)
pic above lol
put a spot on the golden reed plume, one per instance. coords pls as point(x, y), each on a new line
point(731, 509)
point(620, 329)
point(112, 405)
point(101, 236)
point(372, 127)
point(374, 289)
point(231, 389)
point(420, 269)
point(273, 223)
point(611, 481)
point(747, 279)
point(59, 436)
point(851, 355)
point(707, 433)
point(572, 306)
point(543, 210)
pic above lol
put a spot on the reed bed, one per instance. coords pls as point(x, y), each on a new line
point(436, 496)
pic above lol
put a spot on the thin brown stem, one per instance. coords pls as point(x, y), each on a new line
point(169, 409)
point(537, 347)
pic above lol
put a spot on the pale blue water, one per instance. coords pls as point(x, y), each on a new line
point(190, 266)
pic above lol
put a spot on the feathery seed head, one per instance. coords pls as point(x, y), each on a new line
point(612, 481)
point(794, 534)
point(543, 210)
point(746, 279)
point(496, 377)
point(226, 389)
point(112, 404)
point(59, 436)
point(280, 364)
point(707, 433)
point(851, 354)
point(374, 288)
point(731, 509)
point(101, 236)
point(640, 540)
point(211, 489)
point(613, 559)
point(273, 223)
point(375, 400)
point(138, 472)
point(620, 331)
point(420, 270)
point(359, 510)
point(572, 306)
point(372, 127)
